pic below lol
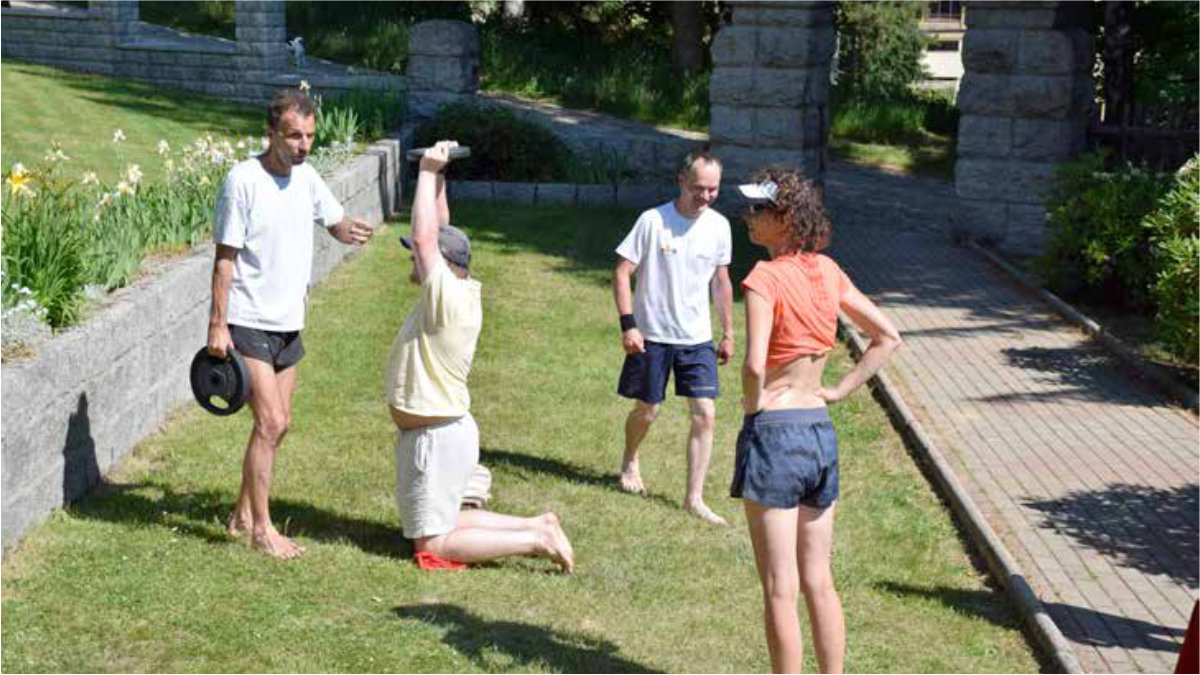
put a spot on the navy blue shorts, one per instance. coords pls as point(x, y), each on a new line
point(644, 376)
point(786, 458)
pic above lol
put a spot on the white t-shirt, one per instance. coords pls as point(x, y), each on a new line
point(676, 258)
point(270, 220)
point(432, 354)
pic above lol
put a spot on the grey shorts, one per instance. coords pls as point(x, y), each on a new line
point(434, 464)
point(280, 349)
point(786, 458)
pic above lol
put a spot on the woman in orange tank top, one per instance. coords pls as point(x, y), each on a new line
point(786, 470)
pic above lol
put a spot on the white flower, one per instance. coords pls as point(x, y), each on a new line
point(305, 86)
point(133, 174)
point(264, 142)
point(18, 168)
point(124, 188)
point(169, 165)
point(106, 201)
point(55, 154)
point(118, 136)
point(163, 148)
point(89, 178)
point(241, 145)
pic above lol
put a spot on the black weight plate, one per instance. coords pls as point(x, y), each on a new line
point(458, 152)
point(221, 386)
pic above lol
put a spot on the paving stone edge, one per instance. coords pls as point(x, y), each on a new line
point(1166, 382)
point(1001, 563)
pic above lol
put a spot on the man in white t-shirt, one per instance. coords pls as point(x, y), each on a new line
point(679, 251)
point(438, 441)
point(263, 229)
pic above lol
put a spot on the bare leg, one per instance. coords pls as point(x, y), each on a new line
point(637, 424)
point(483, 535)
point(813, 550)
point(270, 400)
point(773, 533)
point(699, 450)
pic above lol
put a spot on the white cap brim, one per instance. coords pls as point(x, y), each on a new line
point(759, 192)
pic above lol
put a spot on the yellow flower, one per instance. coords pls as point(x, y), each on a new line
point(18, 181)
point(89, 178)
point(118, 136)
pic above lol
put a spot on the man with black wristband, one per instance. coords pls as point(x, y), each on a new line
point(679, 251)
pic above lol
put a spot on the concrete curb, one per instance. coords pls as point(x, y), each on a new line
point(1169, 384)
point(1002, 564)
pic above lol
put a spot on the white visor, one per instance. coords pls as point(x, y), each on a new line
point(759, 192)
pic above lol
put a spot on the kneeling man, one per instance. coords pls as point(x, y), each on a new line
point(427, 388)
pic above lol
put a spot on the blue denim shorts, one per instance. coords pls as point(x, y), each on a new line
point(786, 458)
point(644, 376)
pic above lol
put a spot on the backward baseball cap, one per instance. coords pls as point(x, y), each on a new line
point(452, 242)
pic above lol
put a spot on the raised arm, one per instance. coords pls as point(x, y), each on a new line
point(885, 339)
point(429, 209)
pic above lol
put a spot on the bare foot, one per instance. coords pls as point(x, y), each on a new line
point(558, 546)
point(701, 511)
point(276, 545)
point(630, 481)
point(239, 526)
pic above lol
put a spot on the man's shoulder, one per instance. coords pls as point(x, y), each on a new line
point(714, 218)
point(245, 171)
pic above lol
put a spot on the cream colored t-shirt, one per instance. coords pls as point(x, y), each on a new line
point(431, 356)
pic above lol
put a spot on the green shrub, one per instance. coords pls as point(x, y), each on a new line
point(1096, 246)
point(1174, 230)
point(43, 253)
point(503, 146)
point(880, 49)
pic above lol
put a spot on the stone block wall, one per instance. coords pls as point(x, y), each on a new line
point(1024, 101)
point(108, 39)
point(93, 392)
point(769, 89)
point(443, 65)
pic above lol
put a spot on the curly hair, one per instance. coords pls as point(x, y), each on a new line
point(799, 203)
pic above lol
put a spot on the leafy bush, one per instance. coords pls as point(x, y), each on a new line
point(880, 49)
point(355, 115)
point(1096, 246)
point(503, 146)
point(1174, 230)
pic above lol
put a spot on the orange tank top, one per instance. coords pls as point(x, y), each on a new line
point(805, 290)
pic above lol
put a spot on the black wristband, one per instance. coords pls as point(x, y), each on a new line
point(627, 322)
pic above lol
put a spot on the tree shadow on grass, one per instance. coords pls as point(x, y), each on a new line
point(1080, 625)
point(203, 513)
point(526, 645)
point(571, 473)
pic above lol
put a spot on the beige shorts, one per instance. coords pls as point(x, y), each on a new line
point(433, 466)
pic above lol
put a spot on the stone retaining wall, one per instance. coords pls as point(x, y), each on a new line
point(108, 39)
point(92, 393)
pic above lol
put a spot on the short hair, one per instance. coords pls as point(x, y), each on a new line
point(289, 99)
point(689, 161)
point(798, 201)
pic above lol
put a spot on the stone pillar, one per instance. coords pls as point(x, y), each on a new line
point(1025, 98)
point(261, 46)
point(769, 87)
point(443, 65)
point(117, 21)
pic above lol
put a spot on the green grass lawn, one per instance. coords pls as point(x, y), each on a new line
point(81, 112)
point(931, 155)
point(140, 576)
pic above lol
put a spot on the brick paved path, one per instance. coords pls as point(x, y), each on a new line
point(1089, 477)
